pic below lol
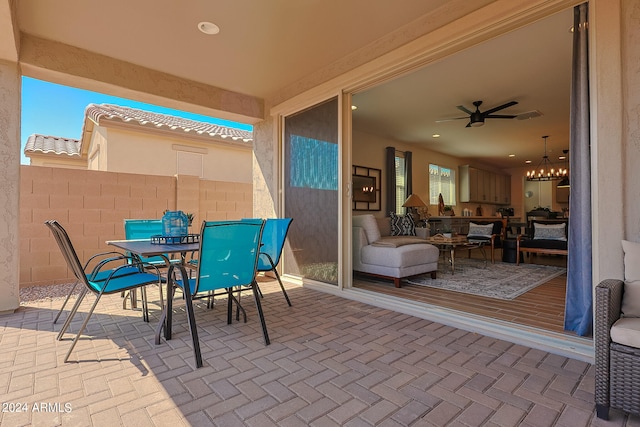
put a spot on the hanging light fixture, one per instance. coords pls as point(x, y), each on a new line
point(545, 170)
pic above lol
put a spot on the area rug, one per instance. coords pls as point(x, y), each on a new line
point(501, 280)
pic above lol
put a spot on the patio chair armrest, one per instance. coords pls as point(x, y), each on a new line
point(128, 261)
point(607, 311)
point(141, 266)
point(115, 255)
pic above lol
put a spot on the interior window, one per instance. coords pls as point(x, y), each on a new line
point(442, 181)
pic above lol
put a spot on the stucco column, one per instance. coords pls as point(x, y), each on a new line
point(265, 169)
point(10, 178)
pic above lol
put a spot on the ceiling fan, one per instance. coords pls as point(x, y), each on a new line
point(476, 118)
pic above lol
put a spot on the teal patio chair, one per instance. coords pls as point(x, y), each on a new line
point(127, 276)
point(228, 260)
point(95, 260)
point(273, 238)
point(144, 229)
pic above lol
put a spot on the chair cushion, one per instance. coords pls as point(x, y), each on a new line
point(631, 295)
point(369, 224)
point(480, 230)
point(402, 225)
point(631, 260)
point(400, 257)
point(549, 231)
point(631, 299)
point(626, 331)
point(397, 241)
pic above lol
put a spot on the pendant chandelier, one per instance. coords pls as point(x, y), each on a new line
point(546, 171)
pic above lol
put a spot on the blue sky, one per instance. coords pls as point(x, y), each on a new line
point(55, 110)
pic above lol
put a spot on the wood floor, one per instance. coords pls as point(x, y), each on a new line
point(541, 307)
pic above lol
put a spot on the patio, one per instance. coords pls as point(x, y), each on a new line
point(332, 361)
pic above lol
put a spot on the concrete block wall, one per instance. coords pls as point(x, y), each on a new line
point(92, 205)
point(225, 200)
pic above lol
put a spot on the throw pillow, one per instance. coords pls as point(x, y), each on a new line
point(369, 224)
point(631, 296)
point(549, 231)
point(631, 260)
point(631, 299)
point(402, 225)
point(480, 230)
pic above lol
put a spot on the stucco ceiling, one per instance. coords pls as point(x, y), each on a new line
point(265, 46)
point(262, 46)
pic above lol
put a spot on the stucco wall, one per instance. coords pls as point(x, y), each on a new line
point(92, 205)
point(156, 154)
point(368, 150)
point(631, 118)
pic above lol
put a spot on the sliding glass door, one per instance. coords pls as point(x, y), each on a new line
point(311, 192)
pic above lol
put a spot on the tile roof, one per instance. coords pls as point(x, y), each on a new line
point(98, 112)
point(52, 144)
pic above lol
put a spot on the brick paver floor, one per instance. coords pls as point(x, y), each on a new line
point(331, 362)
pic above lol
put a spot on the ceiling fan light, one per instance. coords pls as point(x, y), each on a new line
point(477, 124)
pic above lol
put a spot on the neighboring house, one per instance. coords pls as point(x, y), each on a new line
point(54, 151)
point(122, 139)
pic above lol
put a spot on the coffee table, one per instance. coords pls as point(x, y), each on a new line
point(452, 244)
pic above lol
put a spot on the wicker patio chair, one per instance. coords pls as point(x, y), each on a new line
point(617, 369)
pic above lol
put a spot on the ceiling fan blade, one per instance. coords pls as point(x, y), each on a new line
point(499, 116)
point(468, 125)
point(501, 107)
point(452, 119)
point(463, 108)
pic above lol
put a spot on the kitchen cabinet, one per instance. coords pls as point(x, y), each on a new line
point(481, 186)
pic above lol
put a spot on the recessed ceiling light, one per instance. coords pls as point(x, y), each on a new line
point(562, 157)
point(512, 155)
point(208, 28)
point(436, 135)
point(527, 161)
point(354, 107)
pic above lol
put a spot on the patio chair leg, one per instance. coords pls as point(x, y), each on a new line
point(190, 316)
point(282, 287)
point(230, 299)
point(602, 412)
point(145, 306)
point(210, 300)
point(65, 302)
point(239, 306)
point(84, 325)
point(254, 286)
point(72, 314)
point(168, 310)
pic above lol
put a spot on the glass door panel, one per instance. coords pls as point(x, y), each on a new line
point(311, 194)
